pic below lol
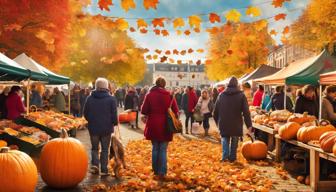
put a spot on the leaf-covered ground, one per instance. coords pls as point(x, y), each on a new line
point(193, 165)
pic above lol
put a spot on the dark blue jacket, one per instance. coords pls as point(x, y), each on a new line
point(100, 110)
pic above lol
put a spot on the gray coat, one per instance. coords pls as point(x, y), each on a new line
point(230, 108)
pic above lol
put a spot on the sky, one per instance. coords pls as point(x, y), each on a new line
point(185, 8)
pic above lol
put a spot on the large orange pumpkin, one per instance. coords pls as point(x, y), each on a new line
point(301, 118)
point(289, 130)
point(327, 141)
point(63, 162)
point(17, 171)
point(254, 150)
point(306, 134)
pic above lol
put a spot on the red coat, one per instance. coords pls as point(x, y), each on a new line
point(14, 106)
point(192, 100)
point(257, 98)
point(155, 107)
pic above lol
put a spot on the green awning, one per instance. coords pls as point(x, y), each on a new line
point(322, 64)
point(11, 71)
point(39, 72)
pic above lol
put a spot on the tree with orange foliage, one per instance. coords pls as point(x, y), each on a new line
point(316, 27)
point(100, 47)
point(37, 28)
point(237, 49)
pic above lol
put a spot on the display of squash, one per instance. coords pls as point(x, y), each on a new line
point(306, 134)
point(301, 118)
point(3, 143)
point(64, 162)
point(18, 171)
point(289, 130)
point(260, 118)
point(254, 149)
point(327, 141)
point(280, 115)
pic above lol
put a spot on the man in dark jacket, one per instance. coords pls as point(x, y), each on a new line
point(100, 111)
point(230, 106)
point(132, 103)
point(189, 101)
point(277, 100)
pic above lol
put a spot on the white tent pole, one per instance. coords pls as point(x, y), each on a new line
point(28, 96)
point(69, 99)
point(320, 107)
point(285, 95)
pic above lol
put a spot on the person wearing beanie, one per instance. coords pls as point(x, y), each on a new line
point(100, 110)
point(230, 108)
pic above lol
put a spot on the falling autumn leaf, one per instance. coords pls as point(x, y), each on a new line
point(175, 52)
point(167, 52)
point(163, 59)
point(213, 18)
point(158, 22)
point(164, 32)
point(195, 21)
point(278, 3)
point(142, 23)
point(178, 22)
point(200, 50)
point(131, 29)
point(229, 51)
point(171, 60)
point(253, 11)
point(157, 31)
point(178, 32)
point(150, 4)
point(155, 57)
point(187, 32)
point(213, 30)
point(198, 62)
point(285, 30)
point(190, 50)
point(104, 4)
point(143, 30)
point(273, 32)
point(280, 16)
point(158, 51)
point(197, 30)
point(233, 15)
point(183, 52)
point(179, 62)
point(128, 4)
point(149, 57)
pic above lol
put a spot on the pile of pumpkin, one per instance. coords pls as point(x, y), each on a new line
point(305, 129)
point(193, 165)
point(63, 164)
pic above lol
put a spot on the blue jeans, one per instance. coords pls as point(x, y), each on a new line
point(206, 124)
point(229, 148)
point(105, 145)
point(159, 157)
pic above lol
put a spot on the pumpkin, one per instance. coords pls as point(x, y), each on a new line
point(289, 130)
point(3, 143)
point(307, 180)
point(301, 118)
point(63, 162)
point(300, 179)
point(254, 150)
point(17, 171)
point(280, 115)
point(306, 134)
point(123, 118)
point(327, 141)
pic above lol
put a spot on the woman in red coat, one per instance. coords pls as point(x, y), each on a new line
point(155, 108)
point(14, 104)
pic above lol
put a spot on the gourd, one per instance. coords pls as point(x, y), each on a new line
point(327, 141)
point(254, 149)
point(301, 119)
point(289, 130)
point(64, 162)
point(306, 134)
point(18, 171)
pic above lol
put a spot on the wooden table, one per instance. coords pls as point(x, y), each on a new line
point(271, 133)
point(315, 154)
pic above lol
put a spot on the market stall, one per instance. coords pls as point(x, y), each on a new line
point(262, 71)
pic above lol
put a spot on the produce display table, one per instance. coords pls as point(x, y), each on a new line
point(271, 132)
point(315, 154)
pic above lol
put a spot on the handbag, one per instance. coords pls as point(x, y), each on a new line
point(198, 116)
point(174, 125)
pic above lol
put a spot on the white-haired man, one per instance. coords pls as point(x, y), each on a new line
point(100, 110)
